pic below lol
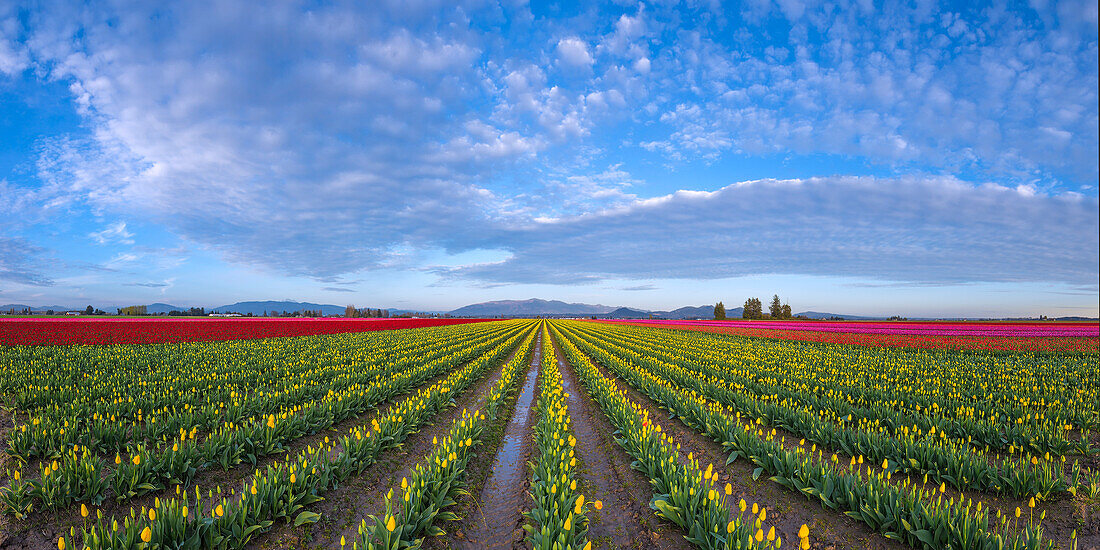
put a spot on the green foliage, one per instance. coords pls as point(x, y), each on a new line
point(907, 512)
point(283, 490)
point(559, 518)
point(439, 479)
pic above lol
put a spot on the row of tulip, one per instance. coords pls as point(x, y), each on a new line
point(955, 463)
point(1049, 390)
point(77, 478)
point(684, 493)
point(557, 518)
point(184, 400)
point(876, 384)
point(905, 512)
point(234, 362)
point(1044, 344)
point(439, 478)
point(283, 490)
point(355, 375)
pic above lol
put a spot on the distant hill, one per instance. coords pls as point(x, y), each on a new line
point(532, 307)
point(258, 308)
point(822, 315)
point(627, 313)
point(556, 308)
point(21, 307)
point(691, 312)
point(161, 308)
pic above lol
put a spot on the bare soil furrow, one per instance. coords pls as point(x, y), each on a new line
point(345, 506)
point(494, 518)
point(626, 521)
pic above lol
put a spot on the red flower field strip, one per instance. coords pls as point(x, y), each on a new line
point(992, 343)
point(151, 331)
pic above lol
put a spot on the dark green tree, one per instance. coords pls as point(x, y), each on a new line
point(753, 309)
point(776, 307)
point(720, 311)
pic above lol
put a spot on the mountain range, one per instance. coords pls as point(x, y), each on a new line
point(21, 307)
point(499, 308)
point(534, 306)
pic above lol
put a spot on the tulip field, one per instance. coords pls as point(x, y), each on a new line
point(83, 330)
point(639, 435)
point(1015, 336)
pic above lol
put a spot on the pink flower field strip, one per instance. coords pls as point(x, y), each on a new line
point(932, 328)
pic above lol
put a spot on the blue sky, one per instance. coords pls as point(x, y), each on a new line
point(863, 157)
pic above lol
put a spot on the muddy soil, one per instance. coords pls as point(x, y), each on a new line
point(6, 420)
point(346, 506)
point(493, 512)
point(626, 521)
point(787, 511)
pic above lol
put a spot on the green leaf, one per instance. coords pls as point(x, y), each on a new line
point(306, 517)
point(925, 536)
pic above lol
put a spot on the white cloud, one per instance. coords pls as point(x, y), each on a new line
point(113, 233)
point(922, 230)
point(626, 39)
point(274, 136)
point(12, 57)
point(991, 91)
point(574, 52)
point(22, 263)
point(334, 140)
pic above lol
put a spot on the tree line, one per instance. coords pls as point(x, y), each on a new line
point(352, 311)
point(754, 309)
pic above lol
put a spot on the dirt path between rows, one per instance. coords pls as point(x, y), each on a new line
point(344, 507)
point(496, 518)
point(626, 520)
point(6, 424)
point(787, 511)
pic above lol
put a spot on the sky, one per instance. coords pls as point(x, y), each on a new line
point(878, 158)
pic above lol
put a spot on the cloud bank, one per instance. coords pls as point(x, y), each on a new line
point(917, 230)
point(338, 138)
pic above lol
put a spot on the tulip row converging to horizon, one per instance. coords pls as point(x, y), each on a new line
point(917, 444)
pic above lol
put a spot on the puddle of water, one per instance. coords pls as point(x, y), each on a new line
point(524, 401)
point(503, 495)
